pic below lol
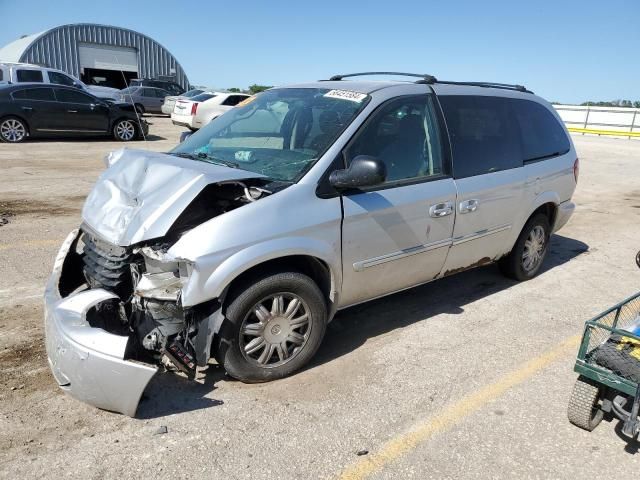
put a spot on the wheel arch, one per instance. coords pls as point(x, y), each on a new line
point(313, 257)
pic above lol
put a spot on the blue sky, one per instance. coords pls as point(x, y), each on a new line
point(564, 50)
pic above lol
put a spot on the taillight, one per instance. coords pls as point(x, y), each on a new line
point(576, 169)
point(194, 108)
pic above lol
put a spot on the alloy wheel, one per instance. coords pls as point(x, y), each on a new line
point(12, 130)
point(125, 130)
point(534, 248)
point(275, 330)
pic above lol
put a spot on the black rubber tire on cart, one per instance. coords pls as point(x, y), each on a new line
point(584, 410)
point(243, 343)
point(514, 266)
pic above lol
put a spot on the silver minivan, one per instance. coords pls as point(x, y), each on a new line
point(242, 242)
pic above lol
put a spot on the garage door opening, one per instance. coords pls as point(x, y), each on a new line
point(107, 65)
point(107, 78)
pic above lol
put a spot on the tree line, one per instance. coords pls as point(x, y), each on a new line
point(612, 103)
point(253, 89)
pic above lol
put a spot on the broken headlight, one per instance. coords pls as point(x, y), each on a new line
point(163, 276)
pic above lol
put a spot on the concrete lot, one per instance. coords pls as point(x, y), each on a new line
point(467, 377)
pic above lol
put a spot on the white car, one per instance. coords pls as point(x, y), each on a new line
point(198, 111)
point(11, 72)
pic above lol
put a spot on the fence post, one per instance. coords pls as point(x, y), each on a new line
point(586, 120)
point(633, 122)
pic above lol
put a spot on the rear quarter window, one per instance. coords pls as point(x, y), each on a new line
point(29, 75)
point(541, 134)
point(483, 136)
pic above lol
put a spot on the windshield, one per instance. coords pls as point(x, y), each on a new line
point(279, 133)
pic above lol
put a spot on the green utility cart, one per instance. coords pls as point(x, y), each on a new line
point(609, 366)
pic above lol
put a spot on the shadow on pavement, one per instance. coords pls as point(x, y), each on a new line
point(353, 326)
point(169, 393)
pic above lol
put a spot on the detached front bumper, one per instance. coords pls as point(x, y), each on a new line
point(88, 362)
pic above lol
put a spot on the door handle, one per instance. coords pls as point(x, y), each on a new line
point(468, 206)
point(72, 111)
point(27, 109)
point(441, 209)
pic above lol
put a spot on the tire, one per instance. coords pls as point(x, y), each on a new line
point(140, 109)
point(584, 411)
point(535, 239)
point(125, 130)
point(13, 130)
point(275, 344)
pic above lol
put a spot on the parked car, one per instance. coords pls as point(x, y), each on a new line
point(172, 87)
point(37, 110)
point(170, 102)
point(24, 72)
point(244, 240)
point(146, 99)
point(198, 111)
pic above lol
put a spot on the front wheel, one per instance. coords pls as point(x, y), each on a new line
point(124, 130)
point(12, 130)
point(528, 254)
point(273, 327)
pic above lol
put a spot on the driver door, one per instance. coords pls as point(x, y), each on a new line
point(397, 235)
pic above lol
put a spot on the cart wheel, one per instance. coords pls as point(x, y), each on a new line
point(584, 411)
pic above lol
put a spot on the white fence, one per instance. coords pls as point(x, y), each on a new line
point(611, 121)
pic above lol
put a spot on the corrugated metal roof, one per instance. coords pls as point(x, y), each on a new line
point(58, 48)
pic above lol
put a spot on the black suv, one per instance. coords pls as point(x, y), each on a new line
point(36, 110)
point(172, 87)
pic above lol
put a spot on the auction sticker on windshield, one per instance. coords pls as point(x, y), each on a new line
point(346, 95)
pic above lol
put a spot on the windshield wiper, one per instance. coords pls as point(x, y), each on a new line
point(208, 158)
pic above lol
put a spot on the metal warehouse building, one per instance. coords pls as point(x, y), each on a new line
point(97, 54)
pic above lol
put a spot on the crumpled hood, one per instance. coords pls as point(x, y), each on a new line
point(142, 193)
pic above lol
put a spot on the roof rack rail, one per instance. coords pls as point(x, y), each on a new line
point(505, 86)
point(424, 77)
point(430, 79)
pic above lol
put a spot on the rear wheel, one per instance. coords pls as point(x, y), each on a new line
point(124, 130)
point(584, 410)
point(528, 254)
point(12, 130)
point(273, 327)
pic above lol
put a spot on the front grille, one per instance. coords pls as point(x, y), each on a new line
point(107, 266)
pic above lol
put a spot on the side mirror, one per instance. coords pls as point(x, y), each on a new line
point(185, 135)
point(364, 171)
point(78, 85)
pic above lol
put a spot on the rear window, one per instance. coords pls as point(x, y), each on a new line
point(34, 94)
point(541, 134)
point(202, 97)
point(61, 79)
point(29, 75)
point(483, 136)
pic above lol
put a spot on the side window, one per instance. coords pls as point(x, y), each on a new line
point(29, 75)
point(403, 133)
point(233, 100)
point(541, 134)
point(1, 75)
point(34, 94)
point(72, 96)
point(60, 79)
point(483, 135)
point(147, 92)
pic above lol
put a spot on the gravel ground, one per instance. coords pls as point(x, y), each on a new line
point(430, 383)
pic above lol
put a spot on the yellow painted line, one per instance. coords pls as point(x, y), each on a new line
point(617, 133)
point(30, 243)
point(454, 414)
